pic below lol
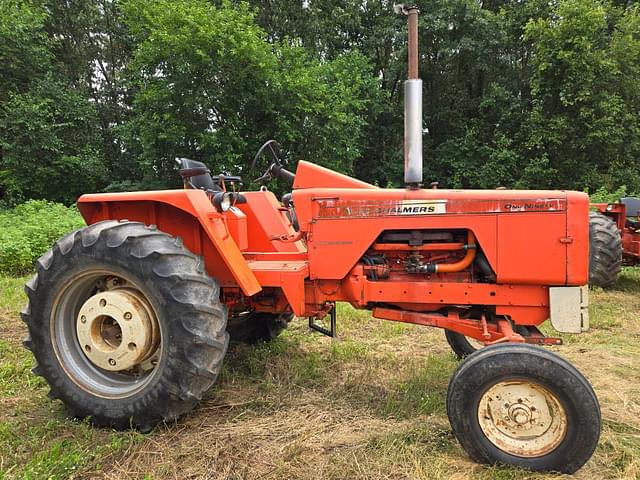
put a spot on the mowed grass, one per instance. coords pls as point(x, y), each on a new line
point(368, 405)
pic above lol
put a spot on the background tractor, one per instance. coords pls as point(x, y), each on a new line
point(129, 318)
point(614, 239)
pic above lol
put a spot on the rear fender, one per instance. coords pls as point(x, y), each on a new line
point(187, 214)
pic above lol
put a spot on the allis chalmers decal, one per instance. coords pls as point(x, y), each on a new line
point(414, 207)
point(334, 208)
point(337, 208)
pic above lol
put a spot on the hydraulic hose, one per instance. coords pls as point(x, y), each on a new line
point(465, 262)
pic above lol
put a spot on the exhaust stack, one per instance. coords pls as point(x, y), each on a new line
point(412, 104)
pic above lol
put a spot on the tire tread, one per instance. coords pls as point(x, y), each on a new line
point(605, 250)
point(201, 350)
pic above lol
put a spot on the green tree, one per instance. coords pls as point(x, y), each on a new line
point(209, 86)
point(578, 126)
point(23, 46)
point(103, 94)
point(623, 165)
point(47, 126)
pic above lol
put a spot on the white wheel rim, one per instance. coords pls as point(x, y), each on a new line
point(67, 335)
point(130, 316)
point(522, 418)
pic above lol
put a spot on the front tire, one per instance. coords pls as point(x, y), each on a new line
point(125, 325)
point(521, 405)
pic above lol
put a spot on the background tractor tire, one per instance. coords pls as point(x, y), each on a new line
point(125, 260)
point(605, 251)
point(256, 327)
point(522, 405)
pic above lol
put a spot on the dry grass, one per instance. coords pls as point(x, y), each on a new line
point(367, 405)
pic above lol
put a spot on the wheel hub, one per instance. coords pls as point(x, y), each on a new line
point(522, 418)
point(520, 414)
point(117, 329)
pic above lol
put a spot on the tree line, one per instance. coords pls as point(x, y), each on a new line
point(102, 95)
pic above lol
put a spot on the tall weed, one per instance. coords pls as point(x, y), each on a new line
point(30, 229)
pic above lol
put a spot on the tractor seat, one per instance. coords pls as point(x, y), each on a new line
point(197, 174)
point(632, 204)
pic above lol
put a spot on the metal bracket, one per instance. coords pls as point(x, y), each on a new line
point(319, 328)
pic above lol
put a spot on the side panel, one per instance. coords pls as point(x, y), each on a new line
point(530, 249)
point(578, 235)
point(187, 214)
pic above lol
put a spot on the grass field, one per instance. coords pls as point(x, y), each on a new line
point(367, 405)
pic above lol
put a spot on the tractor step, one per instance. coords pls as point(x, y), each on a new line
point(329, 332)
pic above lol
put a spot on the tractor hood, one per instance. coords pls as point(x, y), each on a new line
point(528, 236)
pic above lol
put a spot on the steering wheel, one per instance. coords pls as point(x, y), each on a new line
point(274, 148)
point(275, 168)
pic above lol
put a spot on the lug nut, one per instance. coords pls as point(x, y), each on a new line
point(103, 303)
point(83, 319)
point(128, 316)
point(112, 362)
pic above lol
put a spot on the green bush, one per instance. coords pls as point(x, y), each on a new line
point(30, 229)
point(602, 195)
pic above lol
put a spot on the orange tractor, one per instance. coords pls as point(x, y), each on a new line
point(129, 318)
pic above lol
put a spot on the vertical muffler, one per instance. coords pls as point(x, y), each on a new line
point(412, 104)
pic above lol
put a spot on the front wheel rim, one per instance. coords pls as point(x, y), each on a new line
point(522, 418)
point(98, 349)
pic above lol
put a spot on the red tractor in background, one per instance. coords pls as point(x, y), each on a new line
point(129, 318)
point(614, 239)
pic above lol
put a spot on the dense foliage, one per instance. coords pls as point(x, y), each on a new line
point(28, 231)
point(104, 94)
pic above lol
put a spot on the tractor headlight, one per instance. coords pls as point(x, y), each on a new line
point(223, 201)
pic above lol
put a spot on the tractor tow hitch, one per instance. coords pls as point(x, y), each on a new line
point(329, 332)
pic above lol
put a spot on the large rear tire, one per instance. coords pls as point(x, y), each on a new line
point(125, 325)
point(256, 327)
point(525, 406)
point(605, 251)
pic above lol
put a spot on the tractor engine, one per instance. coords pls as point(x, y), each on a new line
point(428, 255)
